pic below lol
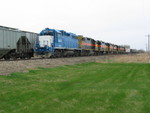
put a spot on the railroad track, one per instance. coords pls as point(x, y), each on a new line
point(2, 60)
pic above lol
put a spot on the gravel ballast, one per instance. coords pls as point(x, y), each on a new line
point(8, 67)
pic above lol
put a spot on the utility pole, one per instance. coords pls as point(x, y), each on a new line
point(148, 48)
point(148, 42)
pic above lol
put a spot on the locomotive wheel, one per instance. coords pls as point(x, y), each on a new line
point(61, 55)
point(58, 53)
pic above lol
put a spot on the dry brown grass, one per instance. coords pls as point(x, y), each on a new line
point(130, 58)
point(137, 58)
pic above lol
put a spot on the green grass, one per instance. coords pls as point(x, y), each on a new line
point(82, 88)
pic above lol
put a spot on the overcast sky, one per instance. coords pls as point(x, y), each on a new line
point(116, 21)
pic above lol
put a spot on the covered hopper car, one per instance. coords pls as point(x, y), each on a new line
point(15, 43)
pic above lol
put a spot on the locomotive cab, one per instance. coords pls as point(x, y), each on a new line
point(44, 44)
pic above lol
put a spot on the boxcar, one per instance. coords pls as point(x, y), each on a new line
point(15, 43)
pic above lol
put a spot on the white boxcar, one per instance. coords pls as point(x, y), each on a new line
point(127, 48)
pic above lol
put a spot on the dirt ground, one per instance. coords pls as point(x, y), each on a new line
point(7, 67)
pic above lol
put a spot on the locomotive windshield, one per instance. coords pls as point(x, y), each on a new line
point(46, 38)
point(48, 33)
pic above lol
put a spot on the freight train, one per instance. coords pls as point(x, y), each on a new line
point(15, 43)
point(59, 43)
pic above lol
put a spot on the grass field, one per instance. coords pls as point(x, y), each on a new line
point(82, 88)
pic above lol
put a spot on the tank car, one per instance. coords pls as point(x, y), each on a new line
point(15, 43)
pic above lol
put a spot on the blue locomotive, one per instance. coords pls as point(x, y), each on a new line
point(57, 43)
